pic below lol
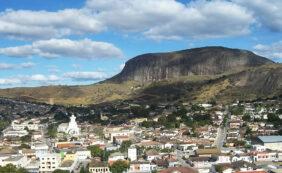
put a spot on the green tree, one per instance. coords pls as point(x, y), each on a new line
point(24, 146)
point(119, 166)
point(125, 145)
point(246, 117)
point(95, 150)
point(52, 130)
point(219, 168)
point(60, 171)
point(26, 138)
point(12, 169)
point(3, 125)
point(82, 170)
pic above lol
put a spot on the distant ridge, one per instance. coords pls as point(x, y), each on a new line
point(192, 75)
point(198, 61)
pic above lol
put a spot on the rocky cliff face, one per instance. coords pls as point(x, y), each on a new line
point(199, 61)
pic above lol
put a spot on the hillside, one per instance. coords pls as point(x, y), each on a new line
point(201, 74)
point(253, 83)
point(199, 61)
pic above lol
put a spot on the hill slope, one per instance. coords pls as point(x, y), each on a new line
point(199, 61)
point(199, 74)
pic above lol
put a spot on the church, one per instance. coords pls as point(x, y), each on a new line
point(70, 128)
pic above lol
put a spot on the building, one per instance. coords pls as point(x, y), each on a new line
point(132, 153)
point(71, 128)
point(19, 161)
point(271, 142)
point(141, 166)
point(115, 157)
point(98, 166)
point(14, 133)
point(49, 162)
point(30, 125)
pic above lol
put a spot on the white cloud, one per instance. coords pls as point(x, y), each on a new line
point(6, 66)
point(55, 48)
point(156, 19)
point(24, 24)
point(86, 76)
point(267, 12)
point(273, 50)
point(121, 66)
point(9, 81)
point(169, 19)
point(25, 79)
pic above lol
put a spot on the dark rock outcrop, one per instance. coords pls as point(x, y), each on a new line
point(199, 61)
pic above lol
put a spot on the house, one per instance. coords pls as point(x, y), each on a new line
point(271, 142)
point(241, 157)
point(223, 159)
point(19, 161)
point(98, 166)
point(203, 163)
point(152, 154)
point(179, 170)
point(208, 152)
point(14, 133)
point(132, 153)
point(30, 125)
point(265, 156)
point(115, 157)
point(49, 162)
point(141, 166)
point(68, 165)
point(82, 154)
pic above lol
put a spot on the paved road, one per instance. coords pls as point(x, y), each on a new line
point(221, 133)
point(220, 138)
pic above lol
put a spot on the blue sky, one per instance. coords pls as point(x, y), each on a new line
point(81, 42)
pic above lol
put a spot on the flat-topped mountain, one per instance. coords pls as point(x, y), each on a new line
point(193, 75)
point(199, 61)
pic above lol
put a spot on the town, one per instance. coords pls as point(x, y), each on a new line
point(209, 137)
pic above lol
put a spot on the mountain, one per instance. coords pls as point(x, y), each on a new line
point(192, 75)
point(250, 84)
point(199, 61)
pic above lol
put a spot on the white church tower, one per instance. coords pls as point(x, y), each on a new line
point(73, 128)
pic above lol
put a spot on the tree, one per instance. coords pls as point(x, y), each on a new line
point(125, 145)
point(60, 171)
point(26, 138)
point(95, 150)
point(246, 117)
point(82, 170)
point(219, 168)
point(24, 146)
point(3, 124)
point(12, 169)
point(61, 117)
point(52, 130)
point(119, 166)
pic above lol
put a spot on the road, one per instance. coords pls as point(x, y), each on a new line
point(220, 138)
point(222, 132)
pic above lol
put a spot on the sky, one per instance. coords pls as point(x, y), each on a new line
point(75, 42)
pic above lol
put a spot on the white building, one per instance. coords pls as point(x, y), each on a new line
point(83, 154)
point(49, 162)
point(132, 153)
point(271, 142)
point(141, 167)
point(19, 161)
point(116, 156)
point(71, 128)
point(30, 125)
point(14, 133)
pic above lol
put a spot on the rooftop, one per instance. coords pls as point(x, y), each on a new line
point(270, 139)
